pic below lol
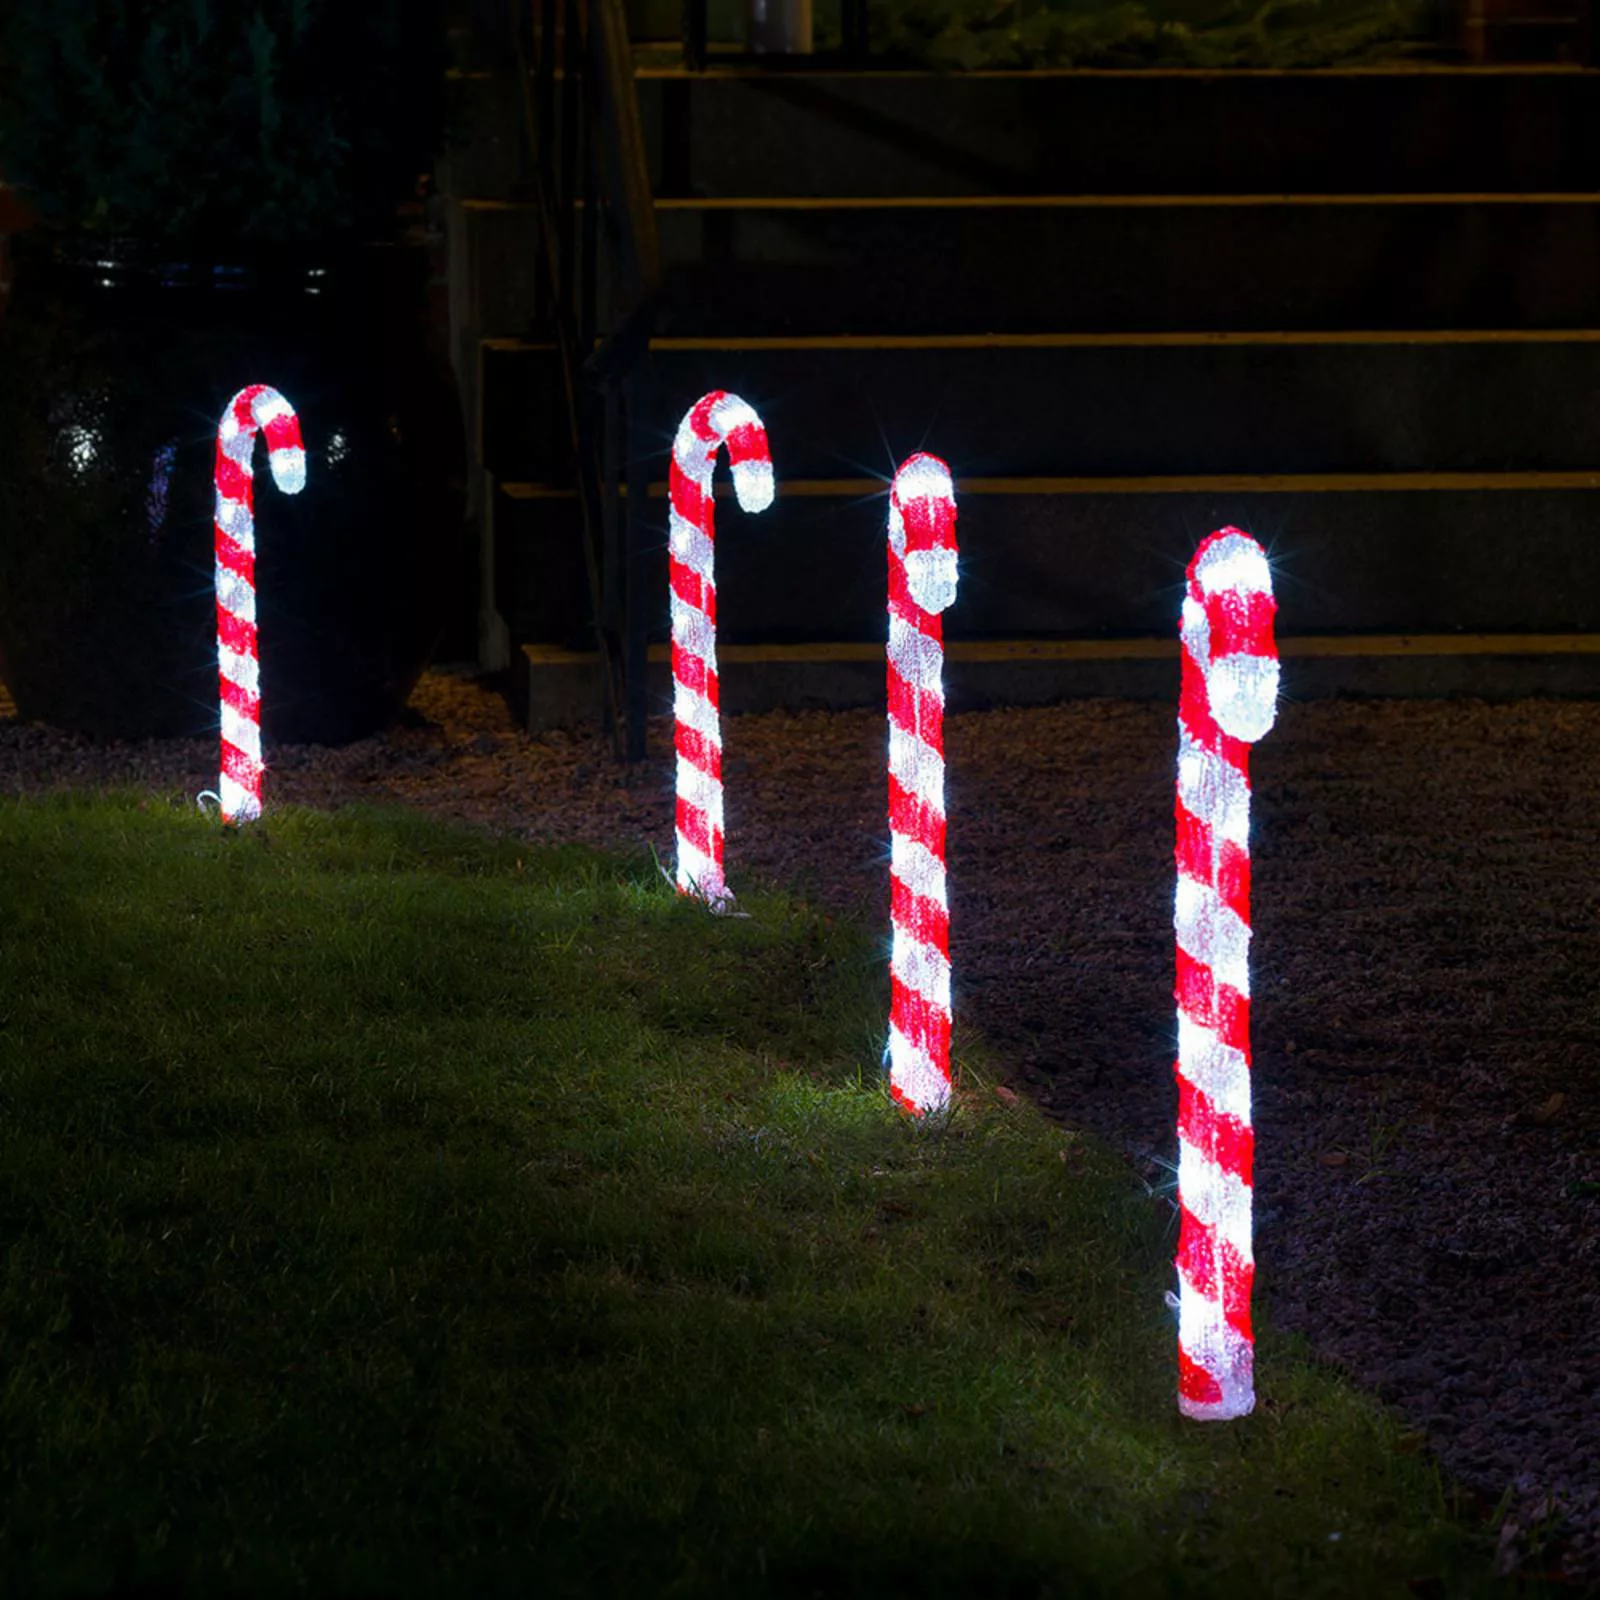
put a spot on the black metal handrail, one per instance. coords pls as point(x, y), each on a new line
point(599, 292)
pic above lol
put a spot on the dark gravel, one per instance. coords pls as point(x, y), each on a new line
point(1426, 1002)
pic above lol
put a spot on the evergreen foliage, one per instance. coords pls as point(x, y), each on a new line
point(1214, 34)
point(263, 122)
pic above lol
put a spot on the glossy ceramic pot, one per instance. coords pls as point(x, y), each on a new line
point(115, 369)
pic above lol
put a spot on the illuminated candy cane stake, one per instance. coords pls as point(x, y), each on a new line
point(1229, 699)
point(922, 583)
point(714, 420)
point(264, 409)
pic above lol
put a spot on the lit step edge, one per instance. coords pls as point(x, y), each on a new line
point(1097, 341)
point(1022, 651)
point(1265, 483)
point(1089, 202)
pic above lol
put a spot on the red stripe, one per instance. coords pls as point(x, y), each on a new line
point(1223, 1139)
point(233, 555)
point(688, 501)
point(1194, 706)
point(1241, 622)
point(232, 481)
point(915, 818)
point(902, 1099)
point(930, 523)
point(1215, 1269)
point(240, 698)
point(695, 826)
point(693, 590)
point(693, 673)
point(918, 712)
point(1229, 874)
point(700, 422)
point(243, 414)
point(1215, 1005)
point(923, 918)
point(1195, 1384)
point(283, 432)
point(698, 750)
point(747, 442)
point(926, 1025)
point(239, 636)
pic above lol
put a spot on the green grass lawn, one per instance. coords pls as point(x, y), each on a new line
point(390, 1210)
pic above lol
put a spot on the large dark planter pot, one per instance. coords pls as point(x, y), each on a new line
point(114, 372)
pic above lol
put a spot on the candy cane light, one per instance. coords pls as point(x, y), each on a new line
point(715, 420)
point(1229, 699)
point(255, 409)
point(922, 585)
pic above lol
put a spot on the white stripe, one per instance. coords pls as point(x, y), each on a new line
point(241, 731)
point(237, 804)
point(698, 874)
point(917, 658)
point(691, 708)
point(693, 630)
point(702, 792)
point(1234, 562)
point(1217, 1198)
point(269, 406)
point(731, 412)
point(688, 542)
point(913, 1073)
point(1208, 932)
point(693, 454)
point(243, 670)
point(932, 577)
point(236, 595)
point(921, 968)
point(917, 766)
point(897, 528)
point(239, 446)
point(1195, 631)
point(288, 465)
point(234, 518)
point(753, 484)
point(923, 478)
point(1216, 1069)
point(1242, 690)
point(1213, 790)
point(917, 867)
point(1218, 1349)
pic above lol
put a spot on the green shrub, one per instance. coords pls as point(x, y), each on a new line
point(1005, 34)
point(182, 122)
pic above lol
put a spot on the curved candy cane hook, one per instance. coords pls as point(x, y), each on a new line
point(714, 420)
point(1229, 699)
point(922, 584)
point(257, 408)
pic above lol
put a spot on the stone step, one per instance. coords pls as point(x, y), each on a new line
point(1129, 263)
point(1108, 404)
point(1088, 558)
point(555, 688)
point(731, 132)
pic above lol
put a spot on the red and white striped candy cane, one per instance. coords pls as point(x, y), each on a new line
point(1229, 699)
point(922, 583)
point(715, 419)
point(256, 408)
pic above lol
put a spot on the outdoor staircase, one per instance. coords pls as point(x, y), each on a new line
point(1355, 313)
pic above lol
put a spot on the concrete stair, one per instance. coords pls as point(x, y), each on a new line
point(1354, 312)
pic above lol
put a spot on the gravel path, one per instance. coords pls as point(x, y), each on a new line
point(1427, 1015)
